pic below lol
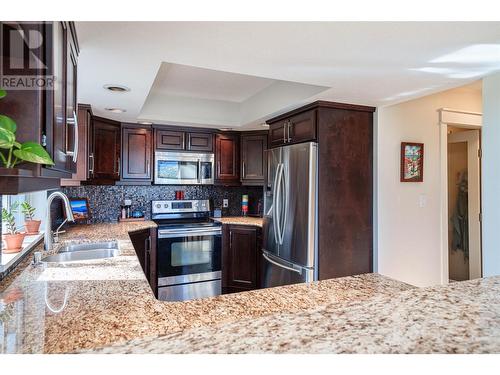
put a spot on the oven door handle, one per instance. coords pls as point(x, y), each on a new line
point(168, 233)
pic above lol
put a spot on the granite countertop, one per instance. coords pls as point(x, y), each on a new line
point(240, 220)
point(57, 308)
point(462, 317)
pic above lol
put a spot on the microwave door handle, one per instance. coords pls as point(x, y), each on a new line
point(199, 171)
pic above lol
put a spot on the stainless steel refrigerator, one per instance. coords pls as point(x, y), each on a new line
point(290, 235)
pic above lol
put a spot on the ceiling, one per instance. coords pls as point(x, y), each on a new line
point(238, 74)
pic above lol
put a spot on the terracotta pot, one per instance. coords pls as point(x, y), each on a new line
point(32, 226)
point(13, 242)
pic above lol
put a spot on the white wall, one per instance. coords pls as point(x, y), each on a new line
point(491, 176)
point(408, 238)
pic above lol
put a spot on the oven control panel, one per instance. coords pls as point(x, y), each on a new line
point(180, 206)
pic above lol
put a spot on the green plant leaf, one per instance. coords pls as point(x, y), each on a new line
point(7, 123)
point(34, 153)
point(7, 138)
point(3, 94)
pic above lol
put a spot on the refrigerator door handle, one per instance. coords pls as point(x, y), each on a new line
point(281, 265)
point(275, 204)
point(277, 200)
point(284, 203)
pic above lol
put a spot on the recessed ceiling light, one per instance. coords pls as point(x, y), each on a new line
point(264, 125)
point(116, 88)
point(226, 129)
point(115, 110)
point(145, 122)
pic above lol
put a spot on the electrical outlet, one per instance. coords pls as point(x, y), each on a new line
point(225, 203)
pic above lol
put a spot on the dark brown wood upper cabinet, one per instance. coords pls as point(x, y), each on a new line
point(293, 129)
point(227, 158)
point(253, 160)
point(106, 150)
point(72, 139)
point(170, 140)
point(136, 153)
point(241, 258)
point(200, 141)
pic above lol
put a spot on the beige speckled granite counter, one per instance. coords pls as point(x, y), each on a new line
point(91, 304)
point(462, 317)
point(240, 220)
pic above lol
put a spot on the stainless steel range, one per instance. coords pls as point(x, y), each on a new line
point(189, 250)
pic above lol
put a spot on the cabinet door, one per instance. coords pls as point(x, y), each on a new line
point(302, 127)
point(144, 242)
point(72, 133)
point(200, 142)
point(106, 149)
point(227, 158)
point(169, 140)
point(56, 130)
point(136, 153)
point(253, 161)
point(277, 134)
point(240, 258)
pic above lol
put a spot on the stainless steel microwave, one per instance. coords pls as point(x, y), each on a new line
point(184, 168)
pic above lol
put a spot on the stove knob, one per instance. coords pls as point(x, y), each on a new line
point(158, 205)
point(165, 205)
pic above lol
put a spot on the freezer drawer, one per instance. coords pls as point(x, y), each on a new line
point(277, 272)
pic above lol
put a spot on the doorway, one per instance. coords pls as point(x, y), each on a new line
point(464, 203)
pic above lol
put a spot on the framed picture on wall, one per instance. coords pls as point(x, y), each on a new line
point(412, 162)
point(80, 208)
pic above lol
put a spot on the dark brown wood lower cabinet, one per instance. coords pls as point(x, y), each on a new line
point(240, 258)
point(144, 242)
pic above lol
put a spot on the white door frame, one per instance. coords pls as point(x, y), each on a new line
point(459, 119)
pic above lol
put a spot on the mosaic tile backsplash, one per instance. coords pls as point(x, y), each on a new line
point(104, 201)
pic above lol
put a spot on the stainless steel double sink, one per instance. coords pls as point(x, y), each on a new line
point(84, 251)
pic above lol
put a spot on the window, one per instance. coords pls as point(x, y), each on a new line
point(39, 201)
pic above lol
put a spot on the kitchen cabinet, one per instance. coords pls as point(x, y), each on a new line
point(241, 254)
point(84, 142)
point(144, 242)
point(200, 141)
point(227, 157)
point(105, 157)
point(252, 155)
point(292, 128)
point(170, 140)
point(182, 139)
point(136, 154)
point(43, 116)
point(61, 120)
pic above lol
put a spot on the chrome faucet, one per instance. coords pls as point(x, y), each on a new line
point(49, 236)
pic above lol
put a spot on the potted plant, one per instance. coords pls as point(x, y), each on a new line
point(30, 224)
point(13, 238)
point(12, 152)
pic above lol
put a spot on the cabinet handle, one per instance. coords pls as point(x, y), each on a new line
point(218, 168)
point(289, 126)
point(243, 170)
point(148, 171)
point(230, 239)
point(118, 162)
point(91, 163)
point(284, 131)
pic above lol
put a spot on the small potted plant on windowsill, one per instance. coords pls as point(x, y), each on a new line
point(12, 152)
point(13, 239)
point(30, 224)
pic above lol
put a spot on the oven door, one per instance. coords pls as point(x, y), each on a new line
point(181, 168)
point(189, 255)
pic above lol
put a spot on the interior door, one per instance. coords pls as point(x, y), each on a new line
point(472, 139)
